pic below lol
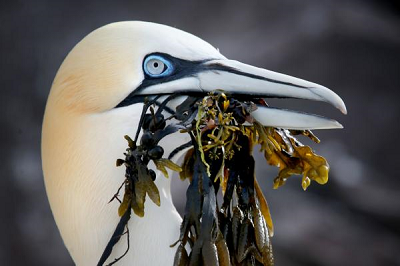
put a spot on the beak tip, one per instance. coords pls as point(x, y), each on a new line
point(334, 125)
point(329, 96)
point(343, 108)
point(340, 104)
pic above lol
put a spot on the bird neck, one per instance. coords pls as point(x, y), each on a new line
point(79, 155)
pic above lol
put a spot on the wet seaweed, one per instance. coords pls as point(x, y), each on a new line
point(219, 159)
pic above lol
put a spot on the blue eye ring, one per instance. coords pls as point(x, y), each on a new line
point(153, 62)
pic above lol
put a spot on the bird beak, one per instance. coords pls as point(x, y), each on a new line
point(248, 82)
point(237, 78)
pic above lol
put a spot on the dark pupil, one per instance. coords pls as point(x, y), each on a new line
point(155, 64)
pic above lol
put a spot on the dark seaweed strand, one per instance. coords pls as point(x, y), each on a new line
point(124, 219)
point(115, 238)
point(127, 248)
point(127, 215)
point(117, 194)
point(180, 148)
point(163, 105)
point(145, 107)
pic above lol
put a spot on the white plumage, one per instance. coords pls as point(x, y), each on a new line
point(83, 132)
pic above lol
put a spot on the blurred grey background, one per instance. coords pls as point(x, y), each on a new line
point(352, 47)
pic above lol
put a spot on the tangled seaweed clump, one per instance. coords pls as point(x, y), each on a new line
point(223, 134)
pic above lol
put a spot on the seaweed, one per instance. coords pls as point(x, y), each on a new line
point(219, 159)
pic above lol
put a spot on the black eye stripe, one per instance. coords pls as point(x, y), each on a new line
point(179, 65)
point(185, 68)
point(182, 68)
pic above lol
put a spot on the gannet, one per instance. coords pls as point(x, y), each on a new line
point(97, 97)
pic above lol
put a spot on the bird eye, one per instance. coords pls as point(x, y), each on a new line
point(157, 66)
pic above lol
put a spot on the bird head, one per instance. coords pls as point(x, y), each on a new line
point(97, 98)
point(120, 64)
